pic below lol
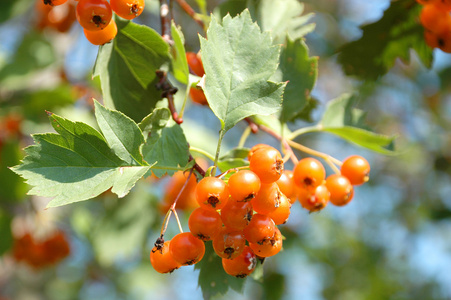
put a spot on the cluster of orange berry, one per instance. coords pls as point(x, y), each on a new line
point(96, 16)
point(240, 216)
point(436, 20)
point(40, 254)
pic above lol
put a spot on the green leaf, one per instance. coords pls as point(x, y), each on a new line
point(384, 41)
point(281, 17)
point(213, 280)
point(12, 187)
point(238, 61)
point(166, 149)
point(301, 72)
point(341, 119)
point(127, 69)
point(202, 6)
point(156, 120)
point(235, 158)
point(75, 164)
point(122, 134)
point(179, 63)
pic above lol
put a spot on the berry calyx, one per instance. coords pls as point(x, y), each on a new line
point(161, 259)
point(94, 14)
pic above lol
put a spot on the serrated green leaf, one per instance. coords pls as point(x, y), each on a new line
point(213, 280)
point(179, 63)
point(301, 72)
point(122, 134)
point(238, 61)
point(127, 69)
point(166, 149)
point(345, 121)
point(75, 164)
point(392, 37)
point(156, 120)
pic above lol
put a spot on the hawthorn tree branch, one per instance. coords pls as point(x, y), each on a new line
point(168, 92)
point(165, 19)
point(190, 11)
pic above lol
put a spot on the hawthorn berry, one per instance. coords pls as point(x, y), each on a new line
point(127, 9)
point(229, 243)
point(260, 228)
point(186, 249)
point(236, 215)
point(269, 247)
point(314, 200)
point(287, 186)
point(280, 214)
point(356, 169)
point(204, 223)
point(340, 188)
point(267, 163)
point(267, 199)
point(94, 14)
point(309, 173)
point(195, 63)
point(161, 259)
point(212, 193)
point(244, 185)
point(242, 265)
point(101, 37)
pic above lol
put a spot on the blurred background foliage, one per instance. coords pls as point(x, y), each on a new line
point(391, 242)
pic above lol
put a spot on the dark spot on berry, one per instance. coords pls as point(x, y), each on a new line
point(213, 201)
point(229, 251)
point(241, 276)
point(279, 166)
point(249, 197)
point(308, 181)
point(134, 10)
point(97, 20)
point(441, 42)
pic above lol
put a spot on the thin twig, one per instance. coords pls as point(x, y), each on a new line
point(168, 91)
point(190, 11)
point(165, 21)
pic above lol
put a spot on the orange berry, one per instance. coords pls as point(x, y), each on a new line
point(356, 169)
point(101, 37)
point(244, 185)
point(269, 247)
point(162, 260)
point(267, 163)
point(204, 223)
point(229, 243)
point(309, 173)
point(340, 188)
point(212, 193)
point(242, 265)
point(127, 9)
point(314, 200)
point(186, 249)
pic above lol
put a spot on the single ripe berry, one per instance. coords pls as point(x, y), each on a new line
point(340, 188)
point(127, 9)
point(314, 200)
point(267, 199)
point(356, 169)
point(161, 259)
point(269, 247)
point(212, 193)
point(54, 2)
point(255, 148)
point(260, 228)
point(287, 186)
point(94, 14)
point(435, 19)
point(198, 96)
point(236, 215)
point(281, 214)
point(267, 163)
point(186, 249)
point(229, 243)
point(204, 223)
point(242, 265)
point(244, 185)
point(101, 37)
point(195, 63)
point(309, 173)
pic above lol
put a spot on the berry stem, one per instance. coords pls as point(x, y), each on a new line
point(218, 149)
point(171, 210)
point(303, 130)
point(190, 11)
point(244, 137)
point(203, 152)
point(331, 161)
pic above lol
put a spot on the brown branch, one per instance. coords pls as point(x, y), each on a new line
point(168, 91)
point(190, 11)
point(197, 167)
point(252, 125)
point(165, 21)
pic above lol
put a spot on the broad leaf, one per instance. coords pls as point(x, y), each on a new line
point(301, 72)
point(12, 186)
point(127, 69)
point(238, 61)
point(341, 119)
point(75, 164)
point(166, 147)
point(392, 37)
point(281, 17)
point(235, 158)
point(213, 280)
point(179, 63)
point(122, 134)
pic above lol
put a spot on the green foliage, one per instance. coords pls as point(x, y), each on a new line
point(127, 69)
point(382, 42)
point(12, 187)
point(300, 71)
point(213, 280)
point(235, 158)
point(5, 232)
point(77, 163)
point(179, 64)
point(11, 8)
point(341, 119)
point(238, 61)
